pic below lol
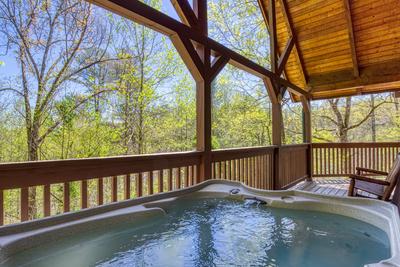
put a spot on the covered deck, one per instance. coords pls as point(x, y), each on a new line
point(318, 50)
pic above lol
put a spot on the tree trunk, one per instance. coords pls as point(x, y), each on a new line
point(33, 155)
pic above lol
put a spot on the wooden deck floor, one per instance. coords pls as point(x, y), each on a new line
point(327, 186)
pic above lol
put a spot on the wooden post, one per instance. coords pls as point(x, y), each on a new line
point(203, 111)
point(197, 57)
point(203, 95)
point(276, 102)
point(307, 134)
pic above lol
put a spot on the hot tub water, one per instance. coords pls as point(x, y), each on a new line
point(221, 232)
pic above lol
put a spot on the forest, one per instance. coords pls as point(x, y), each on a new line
point(77, 81)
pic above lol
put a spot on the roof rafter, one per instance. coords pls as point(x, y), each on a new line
point(285, 56)
point(350, 29)
point(273, 36)
point(292, 33)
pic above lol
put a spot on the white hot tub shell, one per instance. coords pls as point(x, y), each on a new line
point(18, 237)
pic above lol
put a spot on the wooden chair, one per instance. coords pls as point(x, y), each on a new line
point(380, 188)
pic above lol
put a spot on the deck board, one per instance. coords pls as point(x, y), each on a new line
point(327, 186)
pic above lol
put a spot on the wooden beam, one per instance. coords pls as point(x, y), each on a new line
point(273, 36)
point(154, 19)
point(289, 25)
point(273, 95)
point(217, 65)
point(264, 12)
point(200, 9)
point(349, 21)
point(285, 56)
point(357, 90)
point(193, 55)
point(203, 94)
point(185, 12)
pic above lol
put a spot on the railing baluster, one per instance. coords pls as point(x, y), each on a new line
point(160, 181)
point(223, 170)
point(178, 178)
point(66, 197)
point(114, 189)
point(127, 186)
point(186, 176)
point(170, 179)
point(1, 207)
point(24, 204)
point(84, 194)
point(191, 175)
point(139, 185)
point(46, 200)
point(100, 192)
point(150, 176)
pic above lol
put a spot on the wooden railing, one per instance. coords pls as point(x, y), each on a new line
point(293, 165)
point(341, 159)
point(45, 188)
point(251, 166)
point(269, 167)
point(112, 179)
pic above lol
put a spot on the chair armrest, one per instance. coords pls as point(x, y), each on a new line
point(368, 179)
point(359, 169)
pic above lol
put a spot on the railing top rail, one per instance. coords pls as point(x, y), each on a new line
point(295, 147)
point(244, 149)
point(356, 144)
point(236, 153)
point(45, 163)
point(24, 174)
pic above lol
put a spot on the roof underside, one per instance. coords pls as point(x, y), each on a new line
point(342, 47)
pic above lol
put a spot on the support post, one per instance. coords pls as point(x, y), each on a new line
point(197, 58)
point(307, 134)
point(203, 118)
point(276, 102)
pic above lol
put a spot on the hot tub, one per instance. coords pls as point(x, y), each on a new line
point(215, 223)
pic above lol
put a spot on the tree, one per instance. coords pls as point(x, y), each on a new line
point(149, 65)
point(47, 39)
point(342, 115)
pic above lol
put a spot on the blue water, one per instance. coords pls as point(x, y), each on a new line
point(220, 232)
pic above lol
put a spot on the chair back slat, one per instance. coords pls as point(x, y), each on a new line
point(396, 195)
point(392, 178)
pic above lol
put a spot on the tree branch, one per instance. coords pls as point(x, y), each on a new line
point(80, 103)
point(11, 90)
point(367, 116)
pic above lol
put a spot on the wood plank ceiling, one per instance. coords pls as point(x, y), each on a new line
point(342, 47)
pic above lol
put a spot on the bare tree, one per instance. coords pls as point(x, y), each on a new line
point(148, 66)
point(342, 117)
point(53, 43)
